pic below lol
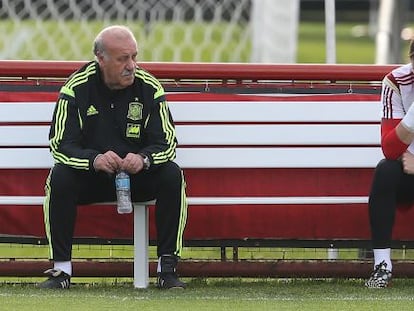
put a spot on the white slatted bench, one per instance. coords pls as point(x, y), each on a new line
point(286, 134)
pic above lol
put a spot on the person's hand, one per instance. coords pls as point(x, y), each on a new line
point(408, 163)
point(132, 163)
point(108, 162)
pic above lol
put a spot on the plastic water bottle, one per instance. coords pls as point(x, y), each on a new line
point(123, 193)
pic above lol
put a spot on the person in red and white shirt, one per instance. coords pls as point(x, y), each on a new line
point(393, 181)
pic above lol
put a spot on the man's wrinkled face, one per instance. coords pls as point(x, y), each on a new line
point(118, 62)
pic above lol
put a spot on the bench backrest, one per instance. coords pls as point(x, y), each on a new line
point(272, 146)
point(266, 134)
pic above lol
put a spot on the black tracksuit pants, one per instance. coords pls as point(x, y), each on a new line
point(390, 186)
point(67, 187)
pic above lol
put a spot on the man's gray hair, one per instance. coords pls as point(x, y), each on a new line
point(98, 44)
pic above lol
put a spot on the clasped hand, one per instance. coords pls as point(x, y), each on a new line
point(408, 163)
point(110, 162)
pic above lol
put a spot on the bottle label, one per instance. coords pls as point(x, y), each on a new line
point(122, 183)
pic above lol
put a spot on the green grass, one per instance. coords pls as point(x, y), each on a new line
point(156, 42)
point(215, 294)
point(160, 41)
point(312, 48)
point(350, 49)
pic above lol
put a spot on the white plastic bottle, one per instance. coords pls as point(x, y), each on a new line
point(123, 193)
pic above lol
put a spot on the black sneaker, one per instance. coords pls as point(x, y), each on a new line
point(57, 279)
point(380, 277)
point(167, 278)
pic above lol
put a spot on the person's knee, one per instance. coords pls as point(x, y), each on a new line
point(388, 169)
point(386, 176)
point(170, 173)
point(63, 178)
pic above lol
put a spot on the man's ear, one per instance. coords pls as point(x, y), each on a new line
point(100, 57)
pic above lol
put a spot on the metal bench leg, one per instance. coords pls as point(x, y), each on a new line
point(141, 268)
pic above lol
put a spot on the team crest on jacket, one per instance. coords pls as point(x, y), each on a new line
point(135, 111)
point(133, 130)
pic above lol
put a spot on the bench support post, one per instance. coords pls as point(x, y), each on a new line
point(141, 268)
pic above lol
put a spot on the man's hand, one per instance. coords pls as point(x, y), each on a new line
point(108, 162)
point(408, 163)
point(132, 163)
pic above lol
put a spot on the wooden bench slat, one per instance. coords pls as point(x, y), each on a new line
point(38, 200)
point(24, 135)
point(226, 134)
point(220, 111)
point(280, 134)
point(314, 157)
point(277, 157)
point(26, 112)
point(273, 111)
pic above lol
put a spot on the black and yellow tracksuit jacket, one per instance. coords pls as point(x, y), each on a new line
point(90, 119)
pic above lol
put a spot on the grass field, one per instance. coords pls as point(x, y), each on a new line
point(203, 293)
point(215, 294)
point(206, 42)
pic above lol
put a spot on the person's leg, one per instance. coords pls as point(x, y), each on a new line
point(382, 207)
point(171, 210)
point(65, 188)
point(390, 186)
point(62, 190)
point(167, 185)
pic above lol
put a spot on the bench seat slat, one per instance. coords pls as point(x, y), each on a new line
point(38, 200)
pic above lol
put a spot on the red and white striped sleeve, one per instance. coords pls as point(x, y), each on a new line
point(392, 113)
